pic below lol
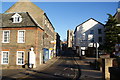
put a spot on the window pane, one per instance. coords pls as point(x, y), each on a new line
point(21, 36)
point(20, 57)
point(91, 31)
point(5, 57)
point(100, 39)
point(6, 36)
point(99, 31)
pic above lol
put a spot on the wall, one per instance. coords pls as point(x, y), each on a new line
point(33, 37)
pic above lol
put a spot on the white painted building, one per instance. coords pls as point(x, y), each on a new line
point(87, 33)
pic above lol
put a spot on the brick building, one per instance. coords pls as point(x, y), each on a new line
point(25, 30)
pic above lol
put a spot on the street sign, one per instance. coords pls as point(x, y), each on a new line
point(96, 45)
point(93, 45)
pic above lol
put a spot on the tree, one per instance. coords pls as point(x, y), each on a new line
point(111, 31)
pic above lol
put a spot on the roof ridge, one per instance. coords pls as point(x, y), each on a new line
point(24, 1)
point(89, 19)
point(14, 12)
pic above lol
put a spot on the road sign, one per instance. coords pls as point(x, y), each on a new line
point(93, 45)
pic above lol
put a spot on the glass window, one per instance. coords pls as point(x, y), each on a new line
point(92, 40)
point(100, 39)
point(99, 31)
point(17, 18)
point(91, 31)
point(6, 36)
point(20, 57)
point(21, 36)
point(5, 55)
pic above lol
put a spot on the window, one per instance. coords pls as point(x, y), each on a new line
point(48, 25)
point(99, 31)
point(45, 21)
point(17, 18)
point(21, 36)
point(6, 36)
point(20, 57)
point(100, 39)
point(5, 56)
point(91, 31)
point(92, 40)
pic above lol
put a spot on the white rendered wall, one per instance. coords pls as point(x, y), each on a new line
point(84, 29)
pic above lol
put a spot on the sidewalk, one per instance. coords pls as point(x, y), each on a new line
point(10, 74)
point(86, 71)
point(47, 64)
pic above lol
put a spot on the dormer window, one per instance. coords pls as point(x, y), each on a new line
point(17, 18)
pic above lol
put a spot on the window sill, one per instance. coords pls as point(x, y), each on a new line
point(21, 42)
point(20, 64)
point(4, 64)
point(5, 42)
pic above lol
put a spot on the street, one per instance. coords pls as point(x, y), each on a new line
point(64, 68)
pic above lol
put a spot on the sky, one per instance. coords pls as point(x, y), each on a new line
point(67, 15)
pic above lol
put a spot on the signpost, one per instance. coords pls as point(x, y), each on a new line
point(97, 45)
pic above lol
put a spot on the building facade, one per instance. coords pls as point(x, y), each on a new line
point(69, 38)
point(86, 34)
point(26, 31)
point(117, 17)
point(58, 45)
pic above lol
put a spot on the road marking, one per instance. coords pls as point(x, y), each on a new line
point(65, 68)
point(72, 69)
point(57, 73)
point(68, 74)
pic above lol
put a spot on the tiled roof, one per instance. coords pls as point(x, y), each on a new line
point(29, 7)
point(117, 16)
point(8, 22)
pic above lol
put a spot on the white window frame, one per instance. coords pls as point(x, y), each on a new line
point(18, 36)
point(17, 17)
point(23, 58)
point(2, 57)
point(8, 37)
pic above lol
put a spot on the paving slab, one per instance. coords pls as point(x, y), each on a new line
point(87, 72)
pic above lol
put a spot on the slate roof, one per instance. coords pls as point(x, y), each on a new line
point(27, 6)
point(117, 16)
point(27, 21)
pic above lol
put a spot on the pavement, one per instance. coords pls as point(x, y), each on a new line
point(10, 74)
point(88, 72)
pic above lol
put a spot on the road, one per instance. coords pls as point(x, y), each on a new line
point(64, 68)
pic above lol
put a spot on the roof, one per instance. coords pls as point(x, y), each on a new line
point(34, 11)
point(27, 20)
point(117, 16)
point(86, 21)
point(90, 19)
point(49, 20)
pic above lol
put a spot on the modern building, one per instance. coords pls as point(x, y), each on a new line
point(27, 36)
point(69, 38)
point(86, 35)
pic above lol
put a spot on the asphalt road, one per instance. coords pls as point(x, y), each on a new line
point(64, 69)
